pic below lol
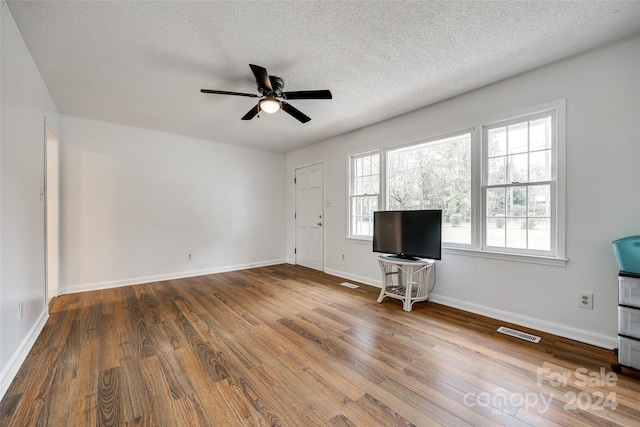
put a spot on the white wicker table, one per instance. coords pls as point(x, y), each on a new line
point(404, 279)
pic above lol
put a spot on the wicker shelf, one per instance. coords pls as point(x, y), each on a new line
point(406, 280)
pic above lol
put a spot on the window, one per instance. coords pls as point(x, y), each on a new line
point(434, 175)
point(500, 185)
point(364, 193)
point(518, 185)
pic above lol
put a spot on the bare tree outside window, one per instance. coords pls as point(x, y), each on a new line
point(434, 175)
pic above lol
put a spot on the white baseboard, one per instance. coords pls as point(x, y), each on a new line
point(565, 331)
point(171, 276)
point(506, 316)
point(517, 319)
point(11, 368)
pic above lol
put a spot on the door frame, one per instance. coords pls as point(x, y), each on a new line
point(324, 215)
point(51, 213)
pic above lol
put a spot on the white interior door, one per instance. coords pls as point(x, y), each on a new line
point(309, 216)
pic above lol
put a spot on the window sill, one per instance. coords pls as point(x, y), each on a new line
point(361, 240)
point(531, 259)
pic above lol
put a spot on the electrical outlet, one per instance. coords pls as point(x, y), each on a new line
point(189, 257)
point(585, 300)
point(343, 257)
point(20, 309)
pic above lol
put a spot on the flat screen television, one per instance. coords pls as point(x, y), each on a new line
point(408, 234)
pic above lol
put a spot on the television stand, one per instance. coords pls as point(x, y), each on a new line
point(406, 280)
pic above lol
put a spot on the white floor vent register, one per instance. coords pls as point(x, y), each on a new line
point(518, 334)
point(349, 285)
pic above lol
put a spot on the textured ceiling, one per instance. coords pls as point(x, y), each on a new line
point(143, 63)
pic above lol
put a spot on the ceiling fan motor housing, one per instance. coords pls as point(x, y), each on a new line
point(277, 84)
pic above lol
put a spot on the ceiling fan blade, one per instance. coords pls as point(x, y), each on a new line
point(308, 94)
point(252, 113)
point(288, 108)
point(262, 77)
point(224, 92)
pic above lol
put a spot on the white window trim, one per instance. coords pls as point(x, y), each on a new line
point(558, 188)
point(350, 159)
point(518, 257)
point(551, 183)
point(477, 173)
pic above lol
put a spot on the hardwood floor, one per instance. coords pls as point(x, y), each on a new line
point(289, 346)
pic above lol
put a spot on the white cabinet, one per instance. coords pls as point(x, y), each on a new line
point(628, 350)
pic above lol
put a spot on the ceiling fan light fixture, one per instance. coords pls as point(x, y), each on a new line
point(269, 105)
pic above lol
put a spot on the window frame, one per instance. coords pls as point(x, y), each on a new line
point(485, 246)
point(351, 178)
point(556, 256)
point(479, 175)
point(434, 139)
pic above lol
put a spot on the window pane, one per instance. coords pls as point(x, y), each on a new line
point(518, 168)
point(540, 166)
point(496, 205)
point(540, 234)
point(519, 217)
point(366, 166)
point(516, 231)
point(540, 134)
point(540, 201)
point(366, 175)
point(358, 167)
point(497, 170)
point(358, 206)
point(497, 142)
point(496, 232)
point(517, 138)
point(366, 185)
point(516, 201)
point(457, 232)
point(434, 175)
point(362, 220)
point(357, 217)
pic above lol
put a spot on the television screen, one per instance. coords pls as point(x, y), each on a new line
point(408, 234)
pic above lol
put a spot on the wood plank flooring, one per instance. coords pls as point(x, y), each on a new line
point(289, 346)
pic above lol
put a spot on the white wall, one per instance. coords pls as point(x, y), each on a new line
point(602, 90)
point(24, 104)
point(136, 202)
